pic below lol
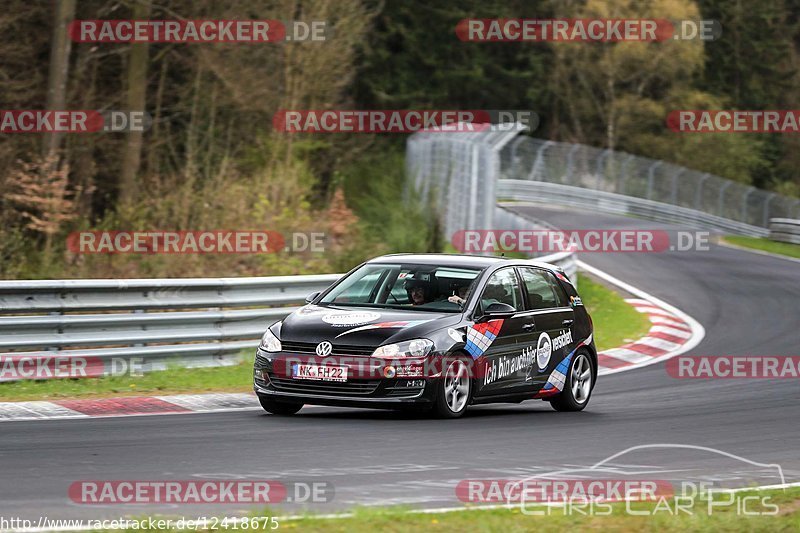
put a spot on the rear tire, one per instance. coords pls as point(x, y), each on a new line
point(279, 408)
point(453, 390)
point(578, 385)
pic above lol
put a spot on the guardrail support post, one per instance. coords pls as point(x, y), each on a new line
point(766, 209)
point(570, 174)
point(698, 198)
point(744, 203)
point(625, 174)
point(721, 201)
point(516, 143)
point(598, 166)
point(539, 161)
point(650, 177)
point(674, 192)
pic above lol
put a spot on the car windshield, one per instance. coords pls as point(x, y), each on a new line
point(404, 286)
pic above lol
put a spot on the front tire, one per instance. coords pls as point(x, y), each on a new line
point(279, 408)
point(578, 385)
point(454, 389)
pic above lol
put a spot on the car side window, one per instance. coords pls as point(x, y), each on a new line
point(561, 295)
point(503, 286)
point(543, 289)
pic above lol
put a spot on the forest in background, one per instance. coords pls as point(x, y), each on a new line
point(211, 159)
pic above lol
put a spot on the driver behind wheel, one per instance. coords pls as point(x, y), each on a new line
point(494, 293)
point(419, 292)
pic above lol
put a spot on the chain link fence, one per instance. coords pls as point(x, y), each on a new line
point(577, 165)
point(458, 173)
point(455, 173)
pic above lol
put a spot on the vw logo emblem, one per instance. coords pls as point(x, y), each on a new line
point(324, 349)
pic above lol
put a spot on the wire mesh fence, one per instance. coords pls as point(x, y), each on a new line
point(457, 173)
point(576, 165)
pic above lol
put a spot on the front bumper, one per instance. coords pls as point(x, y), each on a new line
point(381, 393)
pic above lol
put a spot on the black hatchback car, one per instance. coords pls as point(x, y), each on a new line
point(436, 332)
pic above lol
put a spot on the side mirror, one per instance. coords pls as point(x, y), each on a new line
point(497, 310)
point(311, 297)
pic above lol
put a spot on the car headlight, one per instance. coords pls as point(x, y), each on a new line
point(412, 348)
point(270, 343)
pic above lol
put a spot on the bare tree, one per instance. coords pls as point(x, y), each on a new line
point(136, 101)
point(59, 68)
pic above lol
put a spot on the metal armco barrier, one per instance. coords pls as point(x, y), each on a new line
point(188, 322)
point(784, 230)
point(578, 197)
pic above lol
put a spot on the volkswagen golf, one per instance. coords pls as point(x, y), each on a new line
point(434, 332)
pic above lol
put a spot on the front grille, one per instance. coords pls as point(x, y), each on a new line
point(362, 387)
point(338, 349)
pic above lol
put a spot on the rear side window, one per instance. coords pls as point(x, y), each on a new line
point(543, 289)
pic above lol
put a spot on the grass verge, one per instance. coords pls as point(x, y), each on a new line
point(765, 245)
point(783, 506)
point(615, 323)
point(657, 518)
point(235, 378)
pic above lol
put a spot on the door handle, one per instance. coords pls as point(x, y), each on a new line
point(528, 327)
point(567, 322)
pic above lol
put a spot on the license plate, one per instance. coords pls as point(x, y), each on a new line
point(319, 372)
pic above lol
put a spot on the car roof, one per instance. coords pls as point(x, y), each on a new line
point(461, 260)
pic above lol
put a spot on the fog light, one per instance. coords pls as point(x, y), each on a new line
point(389, 372)
point(261, 375)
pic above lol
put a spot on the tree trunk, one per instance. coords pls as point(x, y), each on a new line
point(136, 98)
point(59, 69)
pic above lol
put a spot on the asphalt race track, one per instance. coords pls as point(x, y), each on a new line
point(749, 304)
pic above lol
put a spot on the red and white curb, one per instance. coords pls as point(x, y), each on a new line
point(128, 406)
point(673, 333)
point(667, 334)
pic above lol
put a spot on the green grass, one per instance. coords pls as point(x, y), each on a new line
point(557, 518)
point(235, 378)
point(615, 321)
point(765, 245)
point(511, 520)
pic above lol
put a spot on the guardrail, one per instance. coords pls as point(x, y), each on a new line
point(189, 322)
point(554, 193)
point(784, 230)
